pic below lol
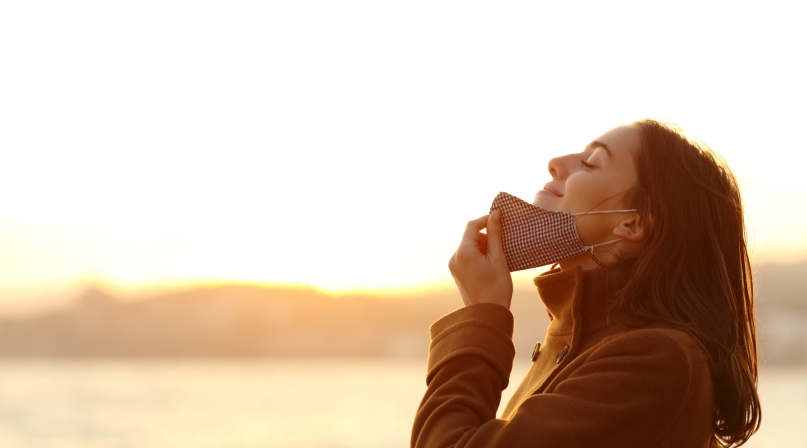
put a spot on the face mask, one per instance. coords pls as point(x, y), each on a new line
point(533, 236)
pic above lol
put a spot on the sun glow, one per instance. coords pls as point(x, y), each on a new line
point(346, 145)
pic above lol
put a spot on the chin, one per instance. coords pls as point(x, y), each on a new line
point(547, 200)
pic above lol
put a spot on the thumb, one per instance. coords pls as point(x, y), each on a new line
point(494, 231)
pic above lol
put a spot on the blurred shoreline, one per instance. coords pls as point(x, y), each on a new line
point(249, 321)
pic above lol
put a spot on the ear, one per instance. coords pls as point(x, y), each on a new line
point(630, 229)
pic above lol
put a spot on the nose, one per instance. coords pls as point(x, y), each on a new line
point(556, 168)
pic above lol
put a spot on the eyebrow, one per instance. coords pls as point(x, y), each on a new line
point(599, 144)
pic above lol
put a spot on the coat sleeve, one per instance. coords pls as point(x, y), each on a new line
point(627, 393)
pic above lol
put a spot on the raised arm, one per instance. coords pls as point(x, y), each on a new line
point(628, 391)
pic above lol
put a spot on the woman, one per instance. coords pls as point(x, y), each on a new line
point(652, 341)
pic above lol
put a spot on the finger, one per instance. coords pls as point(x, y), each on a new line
point(494, 238)
point(482, 243)
point(471, 234)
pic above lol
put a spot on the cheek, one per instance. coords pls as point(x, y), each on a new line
point(582, 190)
point(587, 192)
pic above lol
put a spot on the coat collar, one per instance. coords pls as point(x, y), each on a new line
point(576, 299)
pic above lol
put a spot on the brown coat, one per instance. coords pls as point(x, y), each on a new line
point(595, 382)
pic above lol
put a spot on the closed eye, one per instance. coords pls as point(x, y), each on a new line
point(587, 166)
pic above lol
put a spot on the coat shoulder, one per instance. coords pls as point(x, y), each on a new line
point(663, 342)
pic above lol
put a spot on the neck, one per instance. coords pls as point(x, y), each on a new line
point(583, 261)
point(620, 250)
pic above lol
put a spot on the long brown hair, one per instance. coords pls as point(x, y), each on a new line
point(693, 270)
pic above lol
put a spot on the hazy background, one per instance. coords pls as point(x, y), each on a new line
point(288, 180)
point(231, 321)
point(344, 145)
point(325, 156)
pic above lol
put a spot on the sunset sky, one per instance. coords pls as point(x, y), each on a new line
point(345, 145)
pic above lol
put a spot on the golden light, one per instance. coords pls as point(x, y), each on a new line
point(346, 147)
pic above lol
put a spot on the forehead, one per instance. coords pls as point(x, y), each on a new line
point(622, 142)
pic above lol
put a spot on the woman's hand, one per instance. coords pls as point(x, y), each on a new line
point(479, 267)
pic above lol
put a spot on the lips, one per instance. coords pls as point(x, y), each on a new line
point(552, 190)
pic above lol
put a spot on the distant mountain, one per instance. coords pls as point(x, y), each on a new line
point(781, 301)
point(238, 320)
point(782, 284)
point(250, 321)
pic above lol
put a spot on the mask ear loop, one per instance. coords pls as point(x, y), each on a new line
point(594, 212)
point(591, 248)
point(594, 257)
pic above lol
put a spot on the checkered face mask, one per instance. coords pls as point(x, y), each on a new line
point(533, 236)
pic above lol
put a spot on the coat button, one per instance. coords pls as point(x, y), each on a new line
point(562, 354)
point(536, 350)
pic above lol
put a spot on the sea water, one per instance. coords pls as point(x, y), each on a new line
point(262, 403)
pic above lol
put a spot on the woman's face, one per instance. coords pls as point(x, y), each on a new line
point(595, 179)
